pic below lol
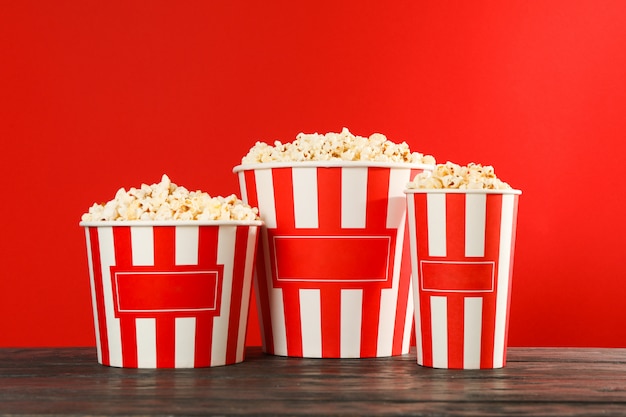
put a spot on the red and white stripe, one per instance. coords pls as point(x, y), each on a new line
point(462, 246)
point(330, 277)
point(170, 296)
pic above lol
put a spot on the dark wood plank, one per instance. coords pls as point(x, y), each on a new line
point(535, 382)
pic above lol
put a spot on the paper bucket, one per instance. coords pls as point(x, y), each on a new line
point(170, 294)
point(332, 278)
point(462, 245)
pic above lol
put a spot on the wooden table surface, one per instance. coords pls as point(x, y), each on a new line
point(536, 381)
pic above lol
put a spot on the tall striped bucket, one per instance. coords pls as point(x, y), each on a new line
point(462, 245)
point(333, 273)
point(170, 294)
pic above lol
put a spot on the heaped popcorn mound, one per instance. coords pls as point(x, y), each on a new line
point(450, 175)
point(168, 201)
point(342, 146)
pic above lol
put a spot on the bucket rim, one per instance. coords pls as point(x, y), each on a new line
point(331, 164)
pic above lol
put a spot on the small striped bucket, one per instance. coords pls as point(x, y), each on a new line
point(462, 245)
point(170, 294)
point(333, 273)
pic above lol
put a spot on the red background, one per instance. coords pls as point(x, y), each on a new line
point(99, 95)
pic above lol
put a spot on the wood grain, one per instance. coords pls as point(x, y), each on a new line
point(550, 382)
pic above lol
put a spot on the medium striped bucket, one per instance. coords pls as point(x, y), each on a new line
point(171, 294)
point(462, 244)
point(333, 273)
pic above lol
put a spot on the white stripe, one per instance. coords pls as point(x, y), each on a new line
point(439, 330)
point(475, 211)
point(265, 196)
point(277, 316)
point(146, 343)
point(107, 259)
point(142, 245)
point(242, 186)
point(186, 245)
point(436, 215)
point(94, 303)
point(225, 256)
point(305, 197)
point(245, 301)
point(504, 271)
point(350, 323)
point(472, 332)
point(408, 320)
point(389, 299)
point(353, 197)
point(311, 322)
point(396, 206)
point(415, 277)
point(185, 342)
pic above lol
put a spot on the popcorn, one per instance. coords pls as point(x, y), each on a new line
point(342, 146)
point(450, 175)
point(167, 201)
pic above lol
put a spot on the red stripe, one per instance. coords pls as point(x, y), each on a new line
point(455, 226)
point(250, 187)
point(164, 246)
point(492, 250)
point(369, 323)
point(403, 295)
point(165, 341)
point(293, 324)
point(99, 294)
point(122, 246)
point(329, 199)
point(427, 335)
point(330, 299)
point(236, 298)
point(204, 338)
point(123, 258)
point(283, 198)
point(377, 198)
point(164, 257)
point(455, 313)
point(207, 257)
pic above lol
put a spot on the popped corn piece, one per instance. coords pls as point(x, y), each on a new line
point(167, 201)
point(343, 146)
point(453, 176)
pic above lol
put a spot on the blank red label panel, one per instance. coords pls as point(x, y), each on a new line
point(165, 291)
point(332, 258)
point(457, 276)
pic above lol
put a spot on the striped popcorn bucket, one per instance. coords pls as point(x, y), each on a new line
point(333, 274)
point(170, 294)
point(462, 244)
